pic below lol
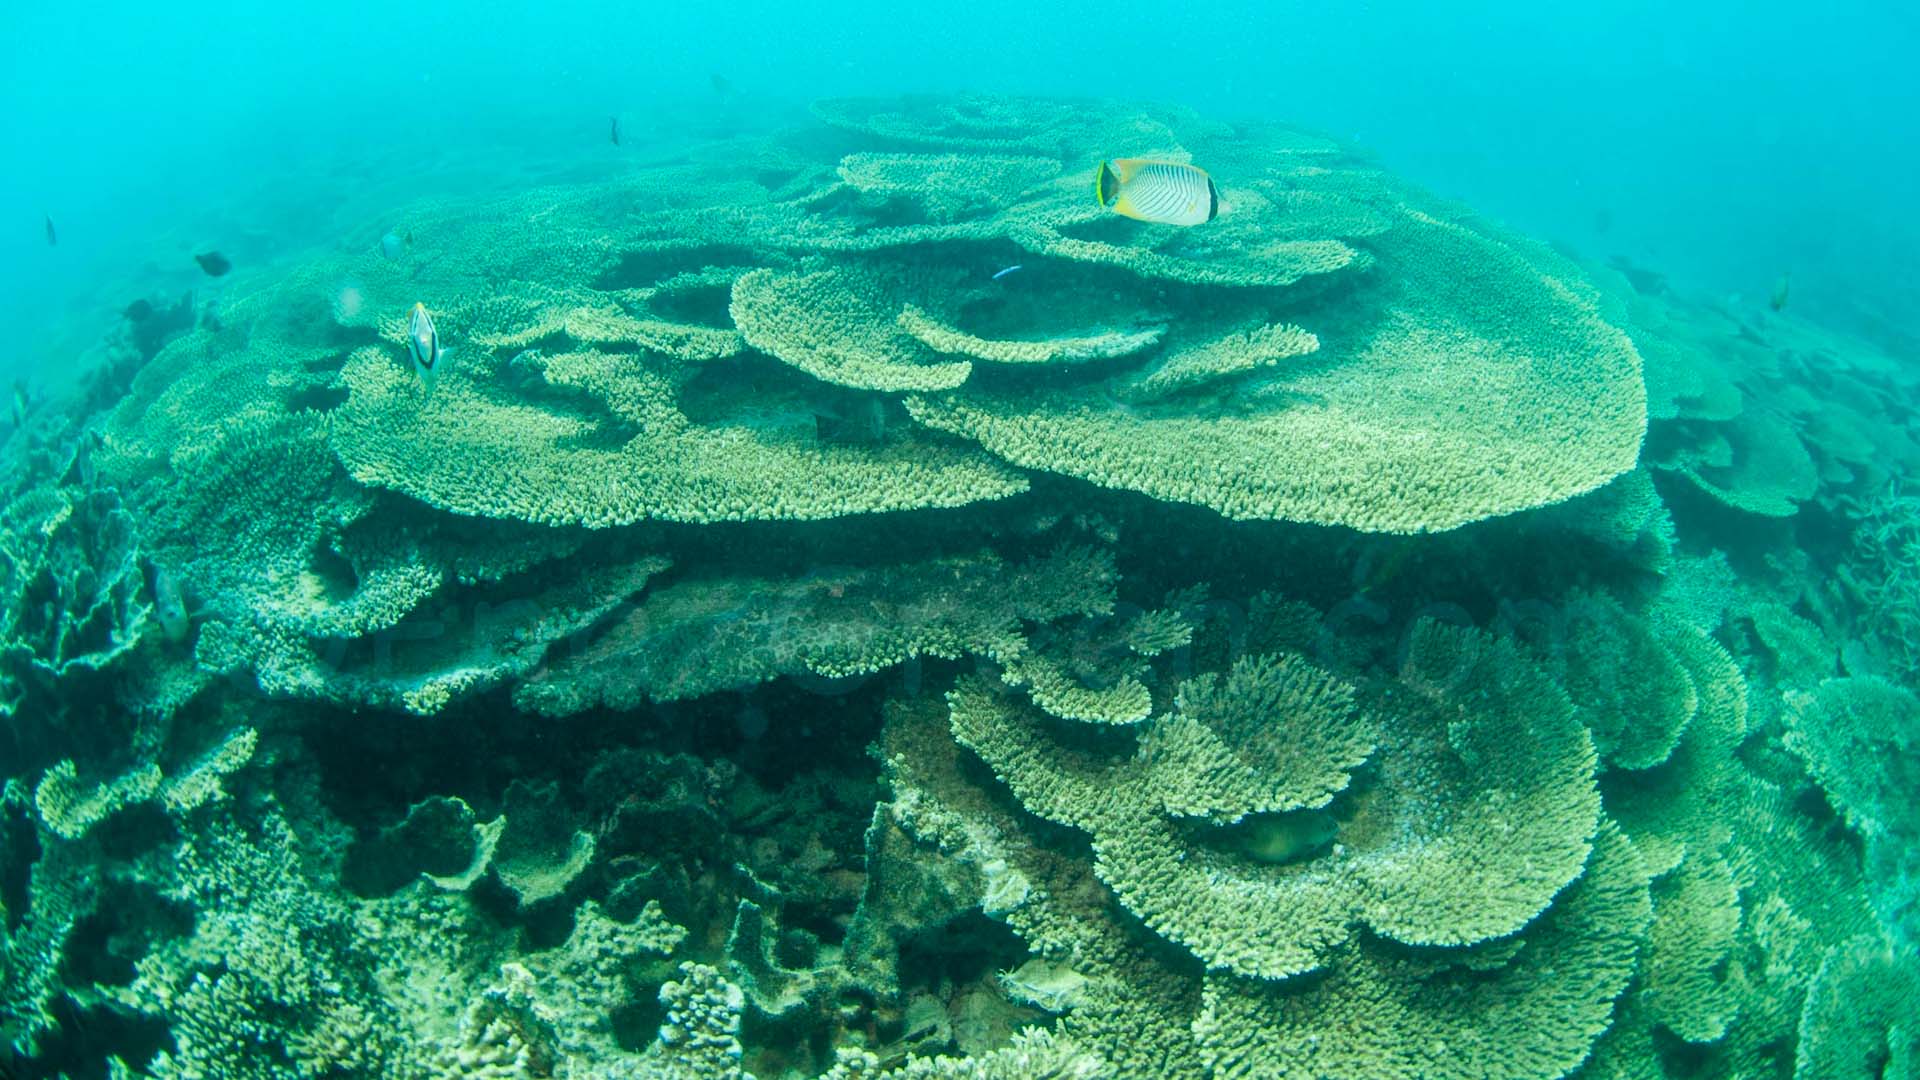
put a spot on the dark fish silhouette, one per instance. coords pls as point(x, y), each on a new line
point(1645, 282)
point(1779, 297)
point(53, 238)
point(138, 311)
point(214, 263)
point(613, 130)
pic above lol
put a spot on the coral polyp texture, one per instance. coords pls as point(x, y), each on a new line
point(847, 604)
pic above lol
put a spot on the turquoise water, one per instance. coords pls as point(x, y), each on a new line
point(692, 543)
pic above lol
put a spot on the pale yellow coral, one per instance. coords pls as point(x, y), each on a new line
point(1481, 387)
point(839, 325)
point(476, 448)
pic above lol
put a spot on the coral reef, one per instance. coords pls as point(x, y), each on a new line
point(1344, 639)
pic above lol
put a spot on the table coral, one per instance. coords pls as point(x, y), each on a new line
point(701, 635)
point(1481, 811)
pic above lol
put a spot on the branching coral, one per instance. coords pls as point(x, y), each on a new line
point(1884, 572)
point(1097, 345)
point(1489, 1012)
point(947, 186)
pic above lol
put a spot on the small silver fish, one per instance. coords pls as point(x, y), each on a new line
point(170, 607)
point(423, 344)
point(1004, 273)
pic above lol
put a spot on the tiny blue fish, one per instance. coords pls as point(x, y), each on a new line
point(1005, 272)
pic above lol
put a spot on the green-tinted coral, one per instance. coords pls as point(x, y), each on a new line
point(1198, 363)
point(1478, 813)
point(946, 186)
point(72, 592)
point(356, 729)
point(701, 635)
point(1061, 349)
point(1861, 739)
point(1385, 1013)
point(839, 326)
point(1628, 687)
point(476, 448)
point(1859, 1020)
point(1477, 386)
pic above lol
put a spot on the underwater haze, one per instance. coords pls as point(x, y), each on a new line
point(1724, 143)
point(769, 542)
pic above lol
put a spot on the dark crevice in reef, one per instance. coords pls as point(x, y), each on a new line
point(335, 573)
point(129, 919)
point(968, 948)
point(19, 850)
point(318, 399)
point(84, 1037)
point(644, 269)
point(706, 305)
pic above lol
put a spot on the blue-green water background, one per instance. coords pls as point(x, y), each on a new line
point(1721, 143)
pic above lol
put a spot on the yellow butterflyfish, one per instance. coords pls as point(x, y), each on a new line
point(1164, 192)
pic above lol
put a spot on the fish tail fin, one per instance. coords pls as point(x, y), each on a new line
point(1106, 184)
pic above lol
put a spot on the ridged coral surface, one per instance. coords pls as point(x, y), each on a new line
point(847, 604)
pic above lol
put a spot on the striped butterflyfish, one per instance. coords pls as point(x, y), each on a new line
point(423, 343)
point(1166, 192)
